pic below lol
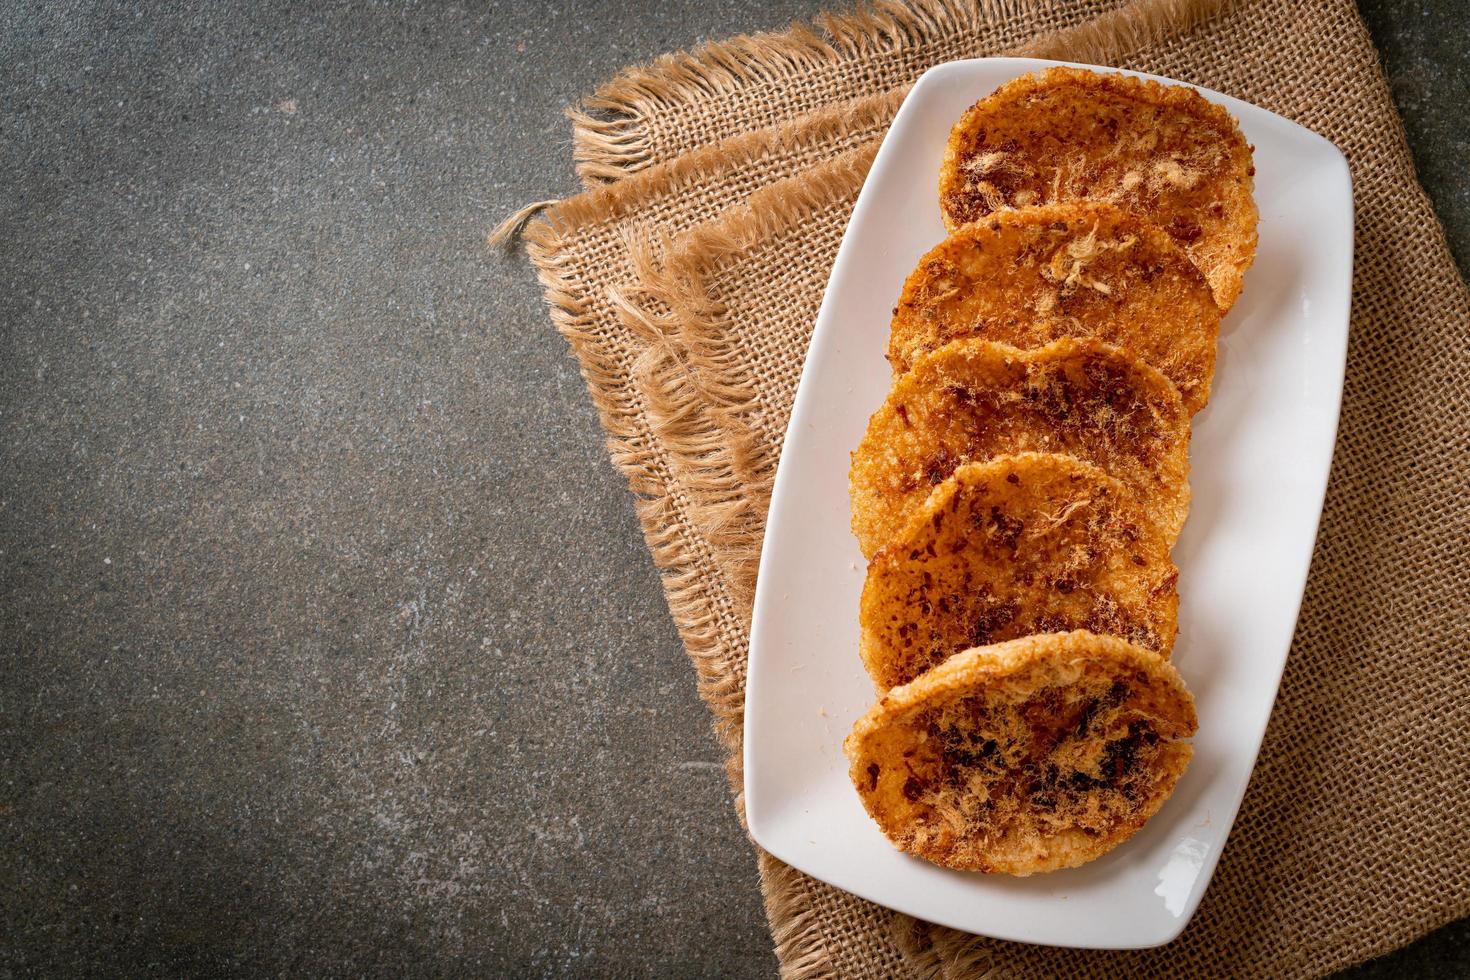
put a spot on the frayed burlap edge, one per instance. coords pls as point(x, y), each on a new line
point(624, 199)
point(1107, 38)
point(666, 530)
point(795, 922)
point(609, 129)
point(700, 401)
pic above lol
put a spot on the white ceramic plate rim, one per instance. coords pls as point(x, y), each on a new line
point(805, 589)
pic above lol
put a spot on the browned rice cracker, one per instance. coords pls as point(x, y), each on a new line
point(1030, 543)
point(1077, 269)
point(1163, 152)
point(1026, 756)
point(973, 400)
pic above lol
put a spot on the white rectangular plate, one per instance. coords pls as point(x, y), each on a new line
point(1261, 454)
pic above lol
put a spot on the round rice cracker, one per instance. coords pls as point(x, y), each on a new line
point(1075, 269)
point(1026, 756)
point(1022, 544)
point(973, 400)
point(1163, 152)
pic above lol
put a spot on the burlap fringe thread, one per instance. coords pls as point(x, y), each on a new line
point(701, 402)
point(610, 128)
point(672, 553)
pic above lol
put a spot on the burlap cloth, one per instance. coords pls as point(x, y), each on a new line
point(687, 280)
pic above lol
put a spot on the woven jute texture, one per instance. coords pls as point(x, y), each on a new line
point(687, 280)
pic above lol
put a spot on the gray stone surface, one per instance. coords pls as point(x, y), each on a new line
point(1425, 47)
point(328, 639)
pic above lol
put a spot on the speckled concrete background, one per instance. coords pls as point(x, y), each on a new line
point(328, 640)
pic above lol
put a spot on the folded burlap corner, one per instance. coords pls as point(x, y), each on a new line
point(687, 280)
